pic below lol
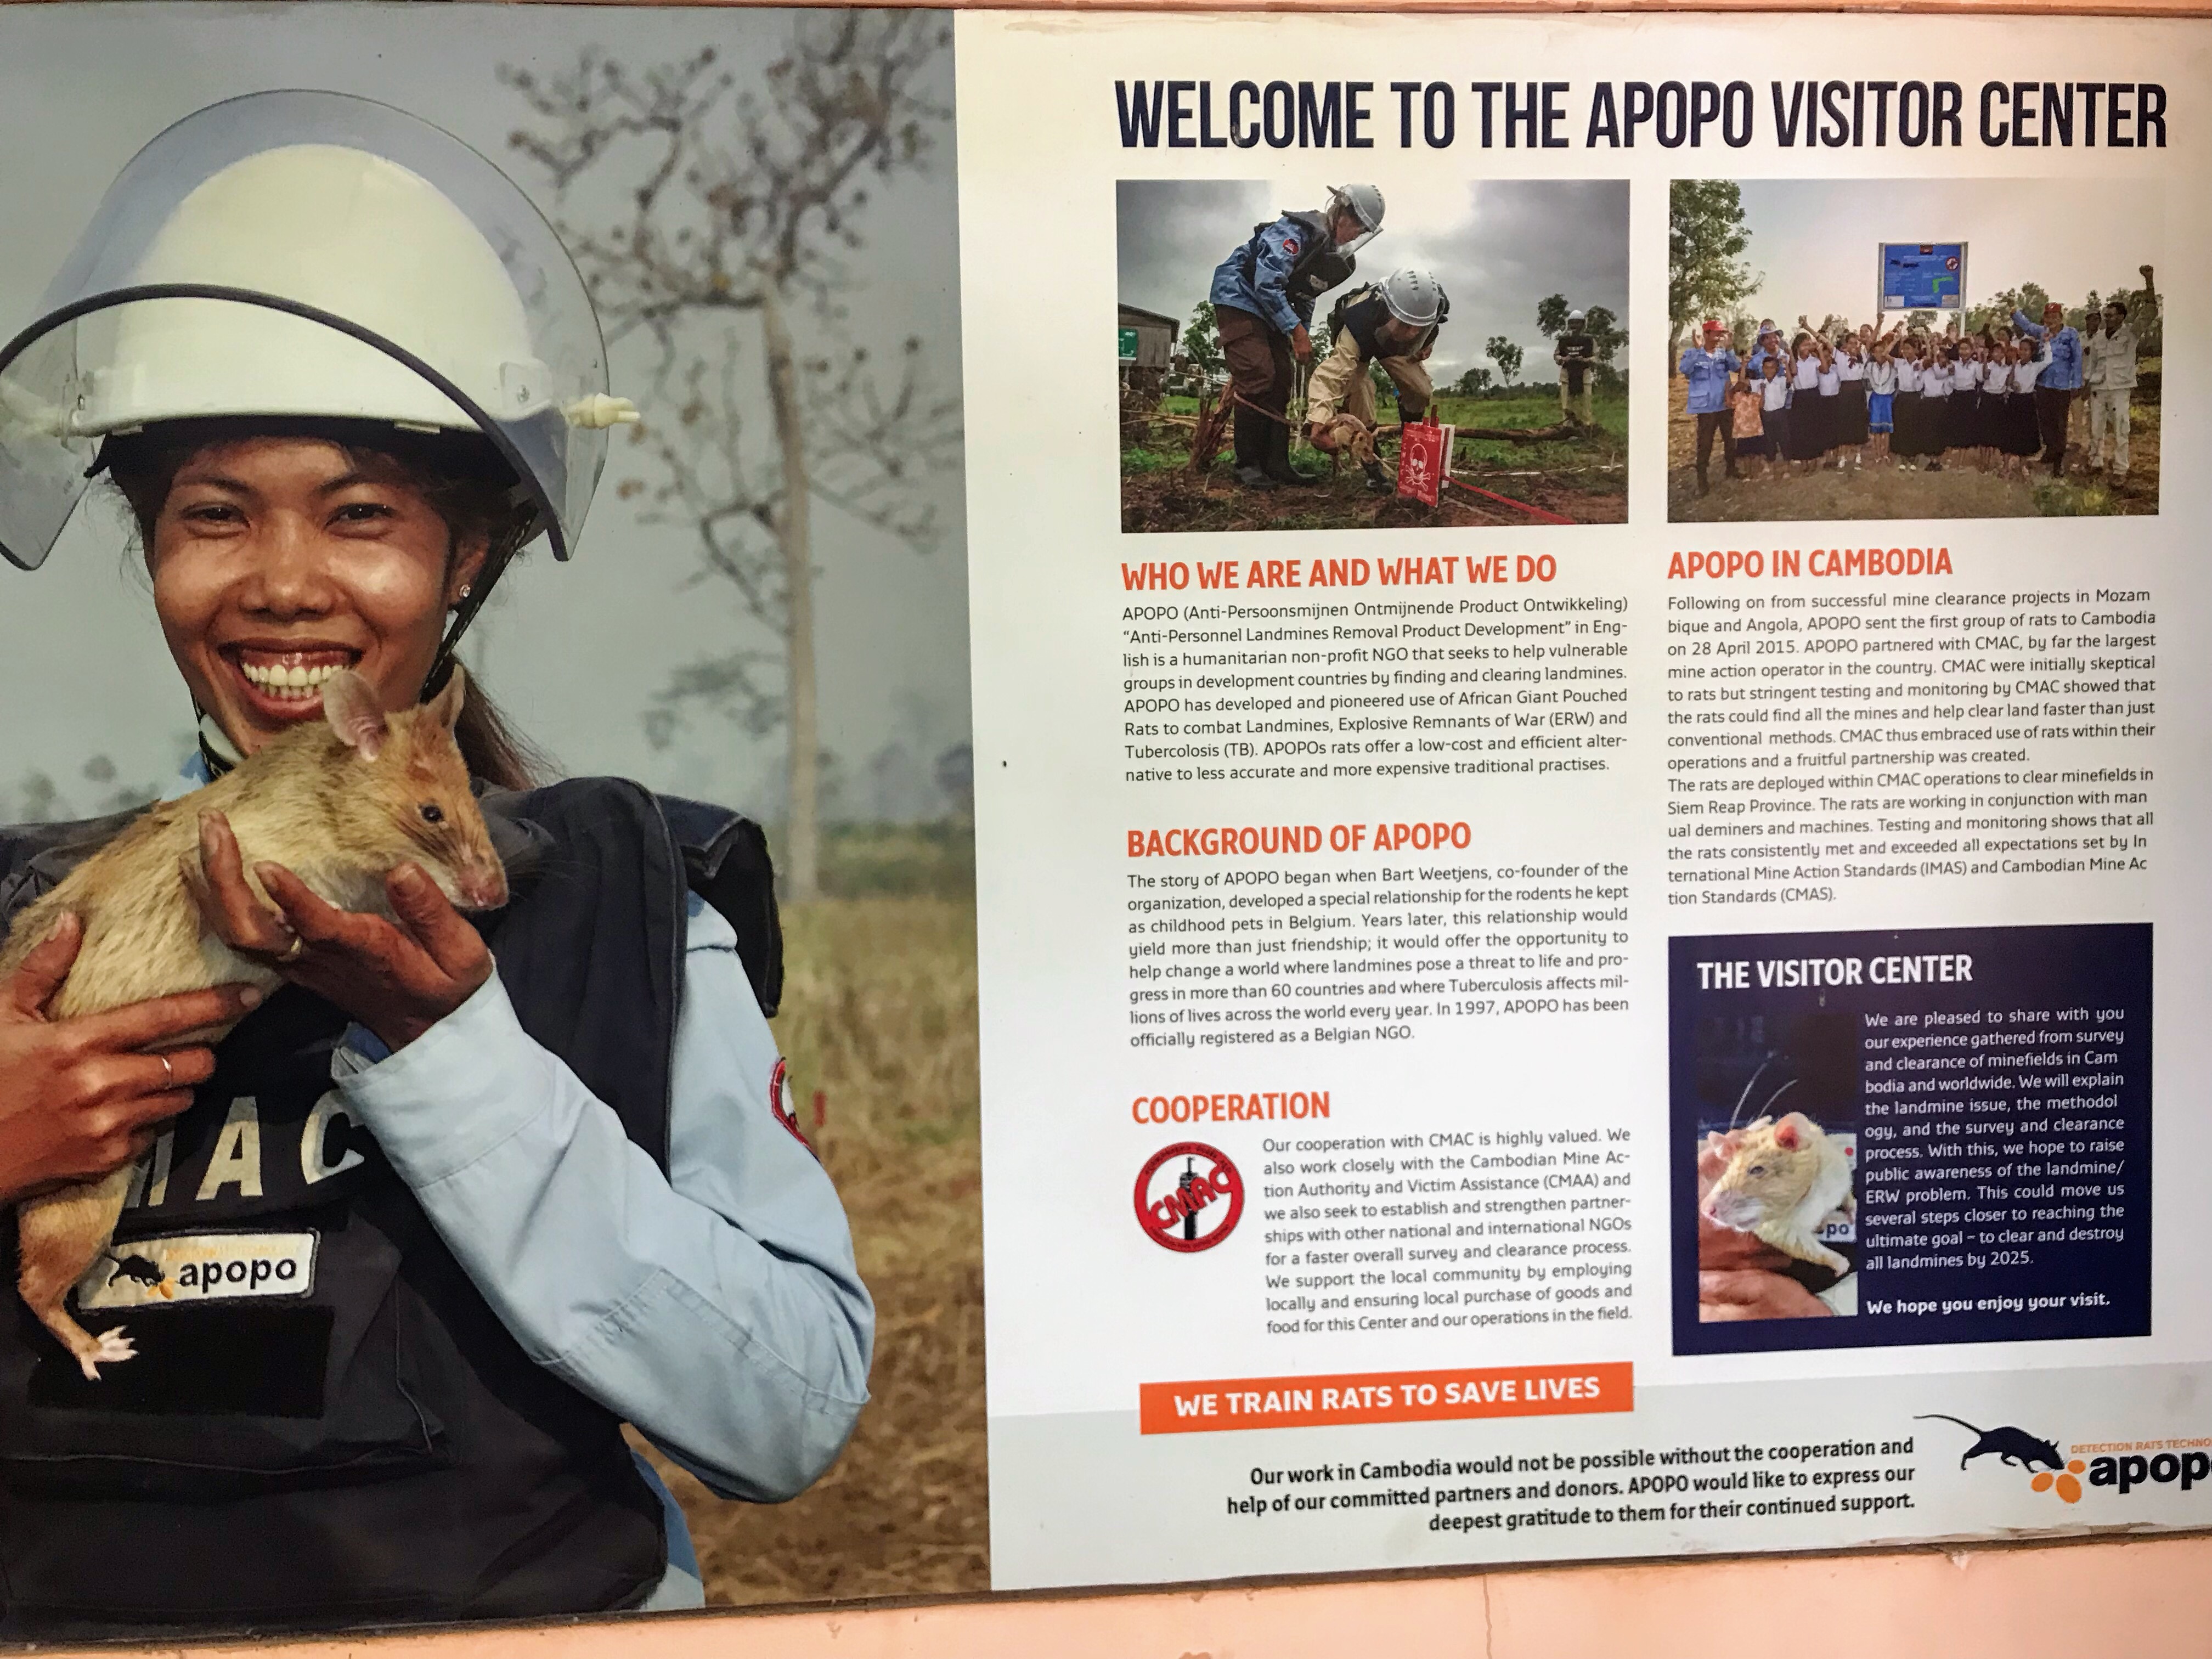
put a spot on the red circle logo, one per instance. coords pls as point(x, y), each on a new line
point(1189, 1197)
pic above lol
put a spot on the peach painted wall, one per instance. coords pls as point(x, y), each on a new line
point(2123, 1599)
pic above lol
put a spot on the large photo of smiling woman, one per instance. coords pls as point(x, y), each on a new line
point(395, 1261)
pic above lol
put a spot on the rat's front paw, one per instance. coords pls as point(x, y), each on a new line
point(111, 1348)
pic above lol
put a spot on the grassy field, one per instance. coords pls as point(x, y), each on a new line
point(880, 1014)
point(1957, 492)
point(1584, 477)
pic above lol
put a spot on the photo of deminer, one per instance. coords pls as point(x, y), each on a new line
point(1775, 1140)
point(1346, 360)
point(1998, 370)
point(448, 1181)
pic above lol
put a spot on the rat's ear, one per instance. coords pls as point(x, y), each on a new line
point(445, 708)
point(349, 705)
point(1789, 1133)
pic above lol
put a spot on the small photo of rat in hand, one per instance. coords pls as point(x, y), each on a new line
point(1776, 1152)
point(1764, 1194)
point(319, 819)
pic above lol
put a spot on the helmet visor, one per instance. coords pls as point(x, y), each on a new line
point(307, 254)
point(1342, 200)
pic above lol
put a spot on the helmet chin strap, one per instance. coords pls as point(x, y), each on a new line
point(441, 667)
point(473, 599)
point(217, 752)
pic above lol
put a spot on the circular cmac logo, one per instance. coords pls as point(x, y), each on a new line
point(1188, 1197)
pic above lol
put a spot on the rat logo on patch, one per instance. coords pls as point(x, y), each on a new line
point(1188, 1197)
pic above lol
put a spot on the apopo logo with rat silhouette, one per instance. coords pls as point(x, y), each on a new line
point(2122, 1466)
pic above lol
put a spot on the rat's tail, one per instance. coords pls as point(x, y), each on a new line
point(1923, 1417)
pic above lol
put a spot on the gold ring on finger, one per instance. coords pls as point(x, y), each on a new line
point(293, 951)
point(168, 1073)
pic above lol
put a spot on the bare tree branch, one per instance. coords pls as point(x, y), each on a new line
point(739, 198)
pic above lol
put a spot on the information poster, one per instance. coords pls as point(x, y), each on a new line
point(1589, 831)
point(1210, 797)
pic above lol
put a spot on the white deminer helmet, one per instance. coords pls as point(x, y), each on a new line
point(1414, 297)
point(1577, 316)
point(309, 255)
point(1365, 204)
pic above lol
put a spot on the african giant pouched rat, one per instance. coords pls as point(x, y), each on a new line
point(341, 802)
point(1783, 1180)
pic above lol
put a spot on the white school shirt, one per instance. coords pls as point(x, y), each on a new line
point(2025, 375)
point(1881, 378)
point(1830, 383)
point(1850, 369)
point(1805, 373)
point(1935, 380)
point(1910, 375)
point(1774, 393)
point(1966, 374)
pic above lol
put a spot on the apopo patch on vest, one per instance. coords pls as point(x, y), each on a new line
point(199, 1268)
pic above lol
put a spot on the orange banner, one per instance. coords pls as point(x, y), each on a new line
point(1300, 1402)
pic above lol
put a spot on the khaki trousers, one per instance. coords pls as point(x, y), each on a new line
point(1342, 382)
point(1576, 407)
point(2109, 408)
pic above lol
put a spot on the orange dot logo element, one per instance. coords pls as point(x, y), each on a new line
point(2068, 1485)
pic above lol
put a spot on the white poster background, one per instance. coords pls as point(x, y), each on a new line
point(1082, 1307)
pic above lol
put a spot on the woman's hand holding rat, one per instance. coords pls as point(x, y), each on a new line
point(397, 980)
point(80, 1097)
point(1740, 1275)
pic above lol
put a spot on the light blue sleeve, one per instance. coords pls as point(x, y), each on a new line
point(718, 1309)
point(2020, 320)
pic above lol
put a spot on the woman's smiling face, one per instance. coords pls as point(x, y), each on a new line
point(276, 561)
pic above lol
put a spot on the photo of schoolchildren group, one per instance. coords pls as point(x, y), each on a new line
point(2015, 402)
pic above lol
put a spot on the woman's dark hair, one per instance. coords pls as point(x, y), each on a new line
point(464, 478)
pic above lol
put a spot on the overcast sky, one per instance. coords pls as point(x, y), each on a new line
point(576, 652)
point(1816, 242)
point(1498, 247)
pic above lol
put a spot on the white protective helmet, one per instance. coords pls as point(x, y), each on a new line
point(1365, 204)
point(1578, 316)
point(309, 255)
point(1414, 298)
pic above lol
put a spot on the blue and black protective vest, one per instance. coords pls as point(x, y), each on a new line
point(1362, 312)
point(374, 1446)
point(1319, 267)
